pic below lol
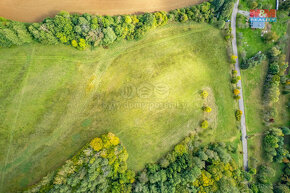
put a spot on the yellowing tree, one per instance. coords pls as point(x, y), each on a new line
point(236, 92)
point(204, 124)
point(207, 109)
point(234, 58)
point(204, 94)
point(113, 139)
point(97, 144)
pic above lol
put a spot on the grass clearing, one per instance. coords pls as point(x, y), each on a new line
point(146, 92)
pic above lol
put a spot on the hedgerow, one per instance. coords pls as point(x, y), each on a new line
point(82, 31)
point(100, 166)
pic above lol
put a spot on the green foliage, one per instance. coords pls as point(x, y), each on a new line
point(253, 61)
point(270, 37)
point(206, 109)
point(276, 68)
point(203, 168)
point(89, 171)
point(238, 115)
point(13, 33)
point(109, 36)
point(104, 30)
point(204, 94)
point(191, 167)
point(204, 124)
point(235, 79)
point(274, 145)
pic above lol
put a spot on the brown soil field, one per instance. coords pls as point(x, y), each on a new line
point(36, 10)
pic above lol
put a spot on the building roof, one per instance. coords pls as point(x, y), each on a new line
point(259, 25)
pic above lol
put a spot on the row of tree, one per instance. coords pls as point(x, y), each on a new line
point(81, 31)
point(13, 33)
point(275, 75)
point(100, 166)
point(274, 144)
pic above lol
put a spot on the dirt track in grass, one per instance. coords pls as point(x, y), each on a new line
point(36, 10)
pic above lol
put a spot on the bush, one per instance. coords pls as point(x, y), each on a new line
point(13, 33)
point(236, 79)
point(206, 109)
point(274, 68)
point(237, 97)
point(234, 59)
point(253, 61)
point(236, 92)
point(204, 94)
point(238, 115)
point(204, 124)
point(271, 37)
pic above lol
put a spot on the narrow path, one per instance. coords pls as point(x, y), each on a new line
point(241, 101)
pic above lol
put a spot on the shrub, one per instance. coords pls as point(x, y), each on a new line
point(238, 115)
point(236, 79)
point(206, 109)
point(274, 68)
point(204, 124)
point(236, 92)
point(237, 97)
point(74, 43)
point(204, 94)
point(253, 61)
point(234, 72)
point(271, 37)
point(234, 59)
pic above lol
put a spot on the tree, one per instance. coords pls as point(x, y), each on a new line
point(253, 4)
point(238, 115)
point(218, 4)
point(97, 144)
point(236, 79)
point(271, 37)
point(74, 43)
point(237, 97)
point(234, 59)
point(183, 17)
point(82, 44)
point(109, 36)
point(204, 94)
point(274, 51)
point(204, 124)
point(236, 91)
point(274, 68)
point(207, 109)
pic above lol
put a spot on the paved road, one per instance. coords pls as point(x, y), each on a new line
point(241, 101)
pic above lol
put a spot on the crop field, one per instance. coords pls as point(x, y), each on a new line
point(34, 10)
point(55, 99)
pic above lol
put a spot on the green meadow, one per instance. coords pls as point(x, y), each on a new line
point(55, 99)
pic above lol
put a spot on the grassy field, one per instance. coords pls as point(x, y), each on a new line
point(54, 99)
